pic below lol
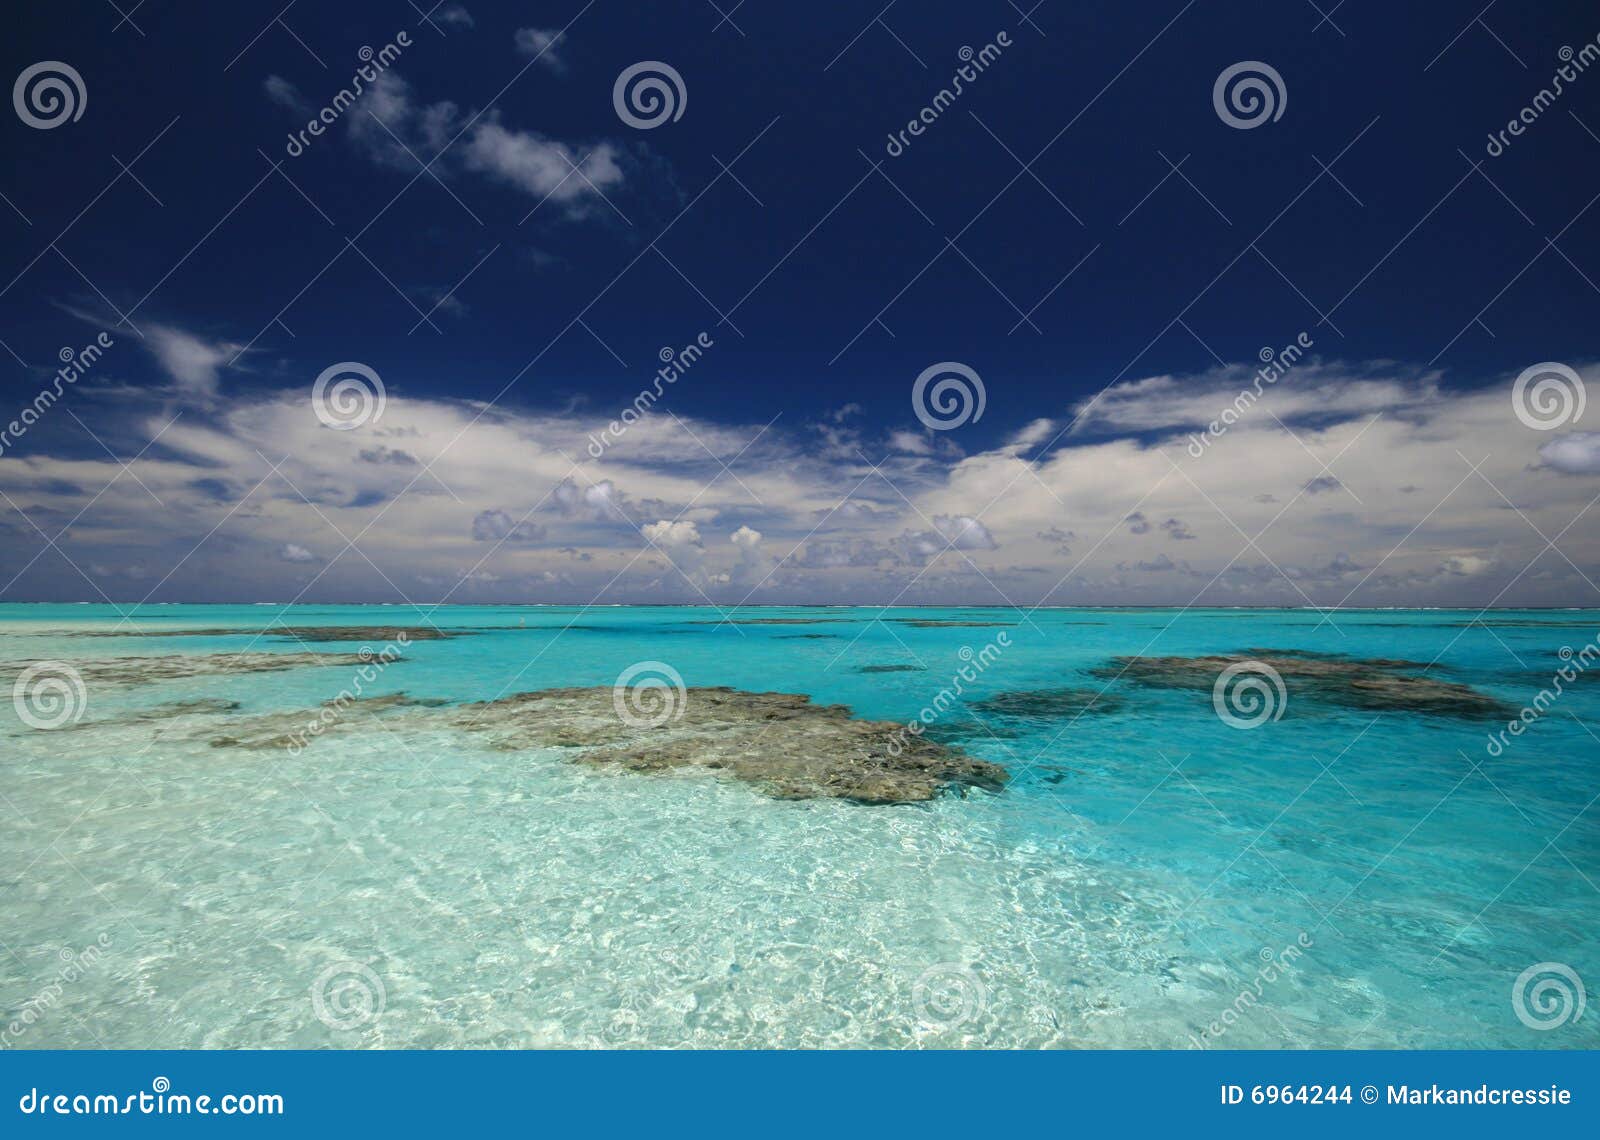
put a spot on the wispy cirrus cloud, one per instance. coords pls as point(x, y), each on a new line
point(393, 128)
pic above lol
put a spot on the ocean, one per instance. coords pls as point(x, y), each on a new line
point(1350, 850)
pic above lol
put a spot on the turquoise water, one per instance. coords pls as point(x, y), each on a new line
point(1146, 867)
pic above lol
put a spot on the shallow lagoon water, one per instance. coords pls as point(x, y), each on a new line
point(1145, 867)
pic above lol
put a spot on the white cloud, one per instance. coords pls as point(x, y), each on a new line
point(600, 501)
point(285, 94)
point(679, 533)
point(1086, 522)
point(540, 44)
point(1311, 390)
point(294, 552)
point(395, 130)
point(755, 566)
point(910, 442)
point(541, 166)
point(964, 532)
point(1576, 453)
point(191, 361)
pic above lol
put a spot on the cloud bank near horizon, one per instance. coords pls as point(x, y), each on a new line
point(1354, 484)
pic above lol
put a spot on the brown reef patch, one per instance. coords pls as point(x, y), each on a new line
point(783, 744)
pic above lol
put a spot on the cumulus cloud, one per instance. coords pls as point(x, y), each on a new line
point(1576, 453)
point(1177, 530)
point(680, 542)
point(498, 526)
point(1137, 523)
point(1468, 565)
point(950, 532)
point(601, 501)
point(679, 533)
point(754, 567)
point(964, 532)
point(457, 15)
point(294, 552)
point(1155, 565)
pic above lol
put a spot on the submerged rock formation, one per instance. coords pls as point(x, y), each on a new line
point(306, 633)
point(1048, 704)
point(783, 744)
point(1381, 684)
point(182, 667)
point(780, 742)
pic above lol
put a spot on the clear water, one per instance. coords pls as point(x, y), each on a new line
point(1127, 887)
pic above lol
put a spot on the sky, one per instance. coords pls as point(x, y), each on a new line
point(593, 302)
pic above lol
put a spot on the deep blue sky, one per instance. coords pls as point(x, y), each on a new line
point(1145, 271)
point(1105, 89)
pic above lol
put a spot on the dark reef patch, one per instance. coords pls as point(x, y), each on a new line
point(1049, 704)
point(182, 667)
point(1378, 684)
point(305, 633)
